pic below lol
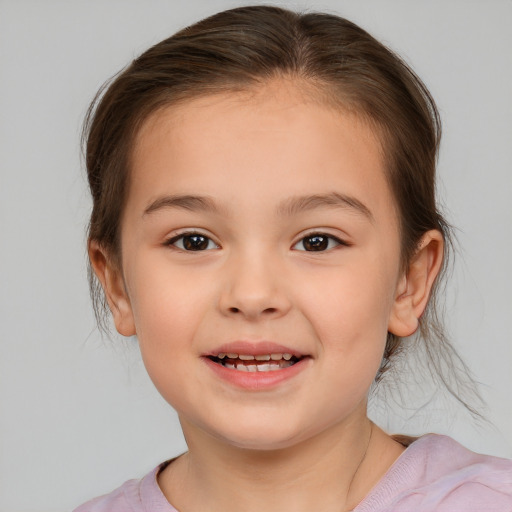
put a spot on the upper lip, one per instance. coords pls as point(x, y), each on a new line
point(258, 348)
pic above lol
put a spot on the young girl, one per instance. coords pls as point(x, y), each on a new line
point(265, 223)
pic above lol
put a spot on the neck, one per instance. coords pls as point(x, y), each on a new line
point(331, 472)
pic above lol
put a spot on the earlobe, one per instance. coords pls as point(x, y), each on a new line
point(112, 282)
point(415, 286)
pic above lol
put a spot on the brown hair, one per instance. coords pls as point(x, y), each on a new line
point(241, 48)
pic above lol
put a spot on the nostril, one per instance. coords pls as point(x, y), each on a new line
point(268, 311)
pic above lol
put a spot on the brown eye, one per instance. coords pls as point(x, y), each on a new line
point(317, 242)
point(193, 242)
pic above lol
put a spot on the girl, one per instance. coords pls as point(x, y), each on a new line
point(264, 221)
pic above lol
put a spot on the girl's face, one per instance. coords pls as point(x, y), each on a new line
point(259, 225)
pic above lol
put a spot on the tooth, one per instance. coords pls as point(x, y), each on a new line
point(232, 356)
point(246, 357)
point(276, 357)
point(264, 367)
point(274, 367)
point(230, 365)
point(252, 368)
point(265, 357)
point(221, 355)
point(241, 367)
point(284, 364)
point(287, 356)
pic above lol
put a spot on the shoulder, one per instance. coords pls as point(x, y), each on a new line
point(142, 495)
point(116, 501)
point(438, 474)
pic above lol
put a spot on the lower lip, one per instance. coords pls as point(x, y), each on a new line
point(257, 380)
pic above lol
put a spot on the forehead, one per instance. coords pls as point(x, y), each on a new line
point(273, 140)
point(267, 105)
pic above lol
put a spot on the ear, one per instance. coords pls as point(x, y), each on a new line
point(414, 287)
point(112, 282)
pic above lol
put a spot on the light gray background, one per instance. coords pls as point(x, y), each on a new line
point(78, 414)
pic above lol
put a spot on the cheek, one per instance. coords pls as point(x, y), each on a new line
point(350, 319)
point(353, 300)
point(168, 306)
point(168, 311)
point(349, 313)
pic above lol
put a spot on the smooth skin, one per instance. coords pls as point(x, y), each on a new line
point(256, 177)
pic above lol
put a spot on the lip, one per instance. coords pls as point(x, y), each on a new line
point(259, 348)
point(256, 381)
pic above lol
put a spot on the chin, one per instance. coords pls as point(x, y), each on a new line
point(268, 437)
point(260, 444)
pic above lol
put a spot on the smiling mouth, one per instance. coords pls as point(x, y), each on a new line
point(255, 363)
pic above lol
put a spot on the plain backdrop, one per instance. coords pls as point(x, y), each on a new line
point(78, 413)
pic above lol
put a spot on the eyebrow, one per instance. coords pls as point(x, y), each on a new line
point(289, 207)
point(295, 205)
point(186, 202)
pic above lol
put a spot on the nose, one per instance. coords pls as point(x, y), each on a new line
point(253, 289)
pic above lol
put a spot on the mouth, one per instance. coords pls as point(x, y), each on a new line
point(255, 363)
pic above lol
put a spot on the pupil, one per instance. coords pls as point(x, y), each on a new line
point(195, 242)
point(315, 243)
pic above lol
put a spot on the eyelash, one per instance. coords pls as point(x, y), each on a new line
point(182, 236)
point(324, 236)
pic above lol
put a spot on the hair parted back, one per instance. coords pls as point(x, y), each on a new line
point(239, 49)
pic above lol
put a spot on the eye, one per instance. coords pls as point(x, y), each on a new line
point(317, 242)
point(192, 242)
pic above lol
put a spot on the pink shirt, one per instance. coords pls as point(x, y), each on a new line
point(435, 473)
